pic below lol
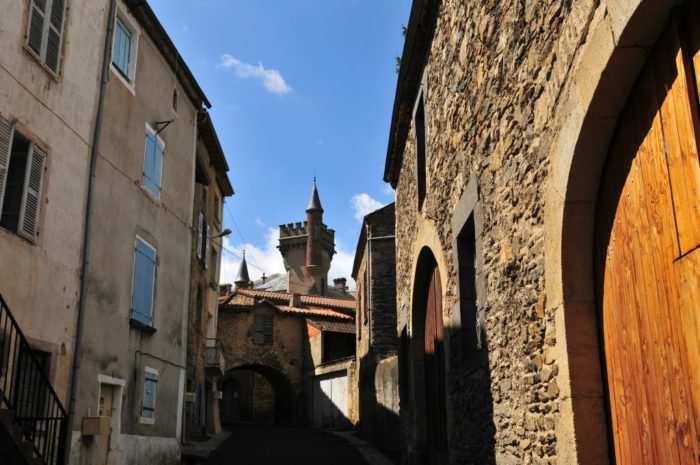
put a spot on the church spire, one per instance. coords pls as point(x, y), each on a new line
point(242, 280)
point(314, 201)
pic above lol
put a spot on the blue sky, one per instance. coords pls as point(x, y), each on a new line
point(296, 86)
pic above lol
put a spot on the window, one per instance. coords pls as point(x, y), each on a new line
point(21, 173)
point(148, 409)
point(262, 332)
point(203, 241)
point(175, 97)
point(217, 209)
point(45, 31)
point(144, 283)
point(122, 50)
point(153, 162)
point(419, 127)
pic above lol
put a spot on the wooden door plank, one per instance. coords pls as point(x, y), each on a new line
point(680, 137)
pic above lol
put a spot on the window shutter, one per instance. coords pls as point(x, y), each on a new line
point(55, 34)
point(205, 252)
point(158, 164)
point(144, 282)
point(267, 328)
point(29, 213)
point(258, 331)
point(37, 18)
point(200, 231)
point(6, 134)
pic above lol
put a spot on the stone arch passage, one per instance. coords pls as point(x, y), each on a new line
point(285, 400)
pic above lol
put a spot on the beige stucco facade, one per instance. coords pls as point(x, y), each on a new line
point(40, 279)
point(118, 351)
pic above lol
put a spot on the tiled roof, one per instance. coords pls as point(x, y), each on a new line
point(315, 312)
point(318, 301)
point(333, 326)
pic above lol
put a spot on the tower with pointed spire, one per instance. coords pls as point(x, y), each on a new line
point(307, 249)
point(242, 279)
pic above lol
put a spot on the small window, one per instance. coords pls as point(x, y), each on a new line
point(148, 409)
point(419, 127)
point(175, 97)
point(471, 337)
point(45, 31)
point(21, 176)
point(153, 162)
point(143, 283)
point(217, 209)
point(203, 241)
point(122, 50)
point(262, 333)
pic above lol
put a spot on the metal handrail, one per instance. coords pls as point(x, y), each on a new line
point(25, 389)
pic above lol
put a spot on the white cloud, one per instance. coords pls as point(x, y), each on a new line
point(259, 222)
point(341, 266)
point(271, 78)
point(364, 204)
point(267, 259)
point(388, 190)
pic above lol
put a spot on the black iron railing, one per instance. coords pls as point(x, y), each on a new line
point(214, 353)
point(25, 390)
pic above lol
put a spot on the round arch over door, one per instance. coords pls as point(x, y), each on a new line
point(429, 360)
point(648, 260)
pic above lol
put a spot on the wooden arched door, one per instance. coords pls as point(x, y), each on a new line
point(436, 409)
point(648, 260)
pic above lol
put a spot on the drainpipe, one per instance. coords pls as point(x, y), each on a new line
point(107, 53)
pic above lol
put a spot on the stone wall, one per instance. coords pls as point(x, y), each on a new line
point(496, 75)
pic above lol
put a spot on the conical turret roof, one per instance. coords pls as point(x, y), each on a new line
point(314, 201)
point(243, 279)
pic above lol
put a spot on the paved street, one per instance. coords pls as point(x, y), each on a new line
point(261, 445)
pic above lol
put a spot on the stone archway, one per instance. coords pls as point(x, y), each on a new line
point(428, 363)
point(616, 50)
point(284, 403)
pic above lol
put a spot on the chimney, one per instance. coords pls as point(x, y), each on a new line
point(340, 283)
point(264, 278)
point(295, 300)
point(225, 289)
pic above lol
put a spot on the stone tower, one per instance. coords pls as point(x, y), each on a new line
point(307, 249)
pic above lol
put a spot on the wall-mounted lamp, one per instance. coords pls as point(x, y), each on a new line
point(223, 233)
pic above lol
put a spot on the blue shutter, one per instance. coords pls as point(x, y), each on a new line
point(121, 54)
point(153, 163)
point(144, 281)
point(149, 395)
point(158, 165)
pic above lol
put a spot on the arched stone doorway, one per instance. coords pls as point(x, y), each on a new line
point(258, 394)
point(648, 260)
point(608, 69)
point(428, 370)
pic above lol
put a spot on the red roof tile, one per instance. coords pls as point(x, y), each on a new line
point(304, 299)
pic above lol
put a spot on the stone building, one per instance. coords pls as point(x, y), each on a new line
point(307, 250)
point(204, 355)
point(374, 271)
point(290, 354)
point(133, 359)
point(277, 346)
point(49, 86)
point(544, 156)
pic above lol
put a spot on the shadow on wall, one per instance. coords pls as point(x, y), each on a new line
point(446, 397)
point(380, 419)
point(257, 394)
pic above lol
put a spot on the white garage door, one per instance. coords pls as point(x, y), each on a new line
point(331, 400)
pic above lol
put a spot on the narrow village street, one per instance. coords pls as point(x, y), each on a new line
point(264, 445)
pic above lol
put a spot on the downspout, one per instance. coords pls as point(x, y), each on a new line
point(107, 53)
